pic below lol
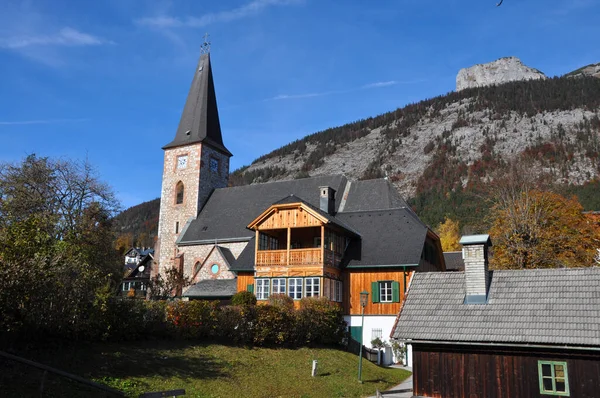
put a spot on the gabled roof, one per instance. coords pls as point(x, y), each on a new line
point(313, 210)
point(541, 306)
point(223, 252)
point(392, 237)
point(200, 118)
point(229, 210)
point(145, 261)
point(454, 261)
point(212, 288)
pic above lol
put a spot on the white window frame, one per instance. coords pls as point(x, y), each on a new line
point(262, 288)
point(385, 292)
point(297, 284)
point(278, 286)
point(312, 289)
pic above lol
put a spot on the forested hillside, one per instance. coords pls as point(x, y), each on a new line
point(138, 225)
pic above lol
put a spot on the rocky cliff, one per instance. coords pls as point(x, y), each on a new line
point(501, 71)
point(592, 70)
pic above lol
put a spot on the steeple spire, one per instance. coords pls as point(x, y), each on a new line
point(200, 118)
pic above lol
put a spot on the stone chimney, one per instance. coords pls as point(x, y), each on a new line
point(475, 256)
point(327, 202)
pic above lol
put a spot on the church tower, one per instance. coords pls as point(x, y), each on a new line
point(195, 163)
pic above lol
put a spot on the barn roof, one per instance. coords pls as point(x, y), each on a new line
point(541, 306)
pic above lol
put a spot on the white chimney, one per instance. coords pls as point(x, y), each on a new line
point(475, 256)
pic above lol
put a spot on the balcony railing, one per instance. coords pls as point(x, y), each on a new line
point(297, 257)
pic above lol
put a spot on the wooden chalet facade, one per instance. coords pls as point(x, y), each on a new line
point(324, 236)
point(534, 333)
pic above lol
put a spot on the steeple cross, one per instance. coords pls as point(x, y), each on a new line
point(205, 47)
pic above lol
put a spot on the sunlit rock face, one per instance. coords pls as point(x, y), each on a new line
point(503, 70)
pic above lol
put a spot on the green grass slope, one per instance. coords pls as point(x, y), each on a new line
point(202, 370)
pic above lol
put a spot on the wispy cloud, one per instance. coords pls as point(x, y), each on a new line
point(65, 37)
point(368, 86)
point(43, 121)
point(247, 10)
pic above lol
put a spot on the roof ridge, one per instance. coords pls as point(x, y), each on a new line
point(282, 181)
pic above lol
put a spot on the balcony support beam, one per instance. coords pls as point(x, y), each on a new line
point(289, 242)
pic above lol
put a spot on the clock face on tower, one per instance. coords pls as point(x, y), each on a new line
point(182, 162)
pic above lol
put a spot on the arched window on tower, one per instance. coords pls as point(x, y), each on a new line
point(197, 267)
point(179, 193)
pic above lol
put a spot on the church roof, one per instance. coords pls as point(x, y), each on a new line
point(200, 118)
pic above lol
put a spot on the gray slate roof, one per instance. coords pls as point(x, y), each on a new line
point(229, 210)
point(212, 288)
point(389, 237)
point(369, 206)
point(454, 261)
point(200, 118)
point(542, 306)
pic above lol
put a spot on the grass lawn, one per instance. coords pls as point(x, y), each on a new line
point(202, 370)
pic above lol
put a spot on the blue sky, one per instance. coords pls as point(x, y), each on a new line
point(106, 80)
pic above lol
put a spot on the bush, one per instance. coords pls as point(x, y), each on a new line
point(193, 319)
point(243, 298)
point(274, 326)
point(282, 301)
point(320, 321)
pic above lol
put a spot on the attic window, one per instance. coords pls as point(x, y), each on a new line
point(204, 228)
point(188, 132)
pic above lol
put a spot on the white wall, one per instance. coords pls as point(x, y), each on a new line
point(385, 323)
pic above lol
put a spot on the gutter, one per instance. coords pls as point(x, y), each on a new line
point(214, 241)
point(515, 345)
point(381, 266)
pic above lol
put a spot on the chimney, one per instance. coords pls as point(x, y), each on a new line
point(475, 256)
point(327, 199)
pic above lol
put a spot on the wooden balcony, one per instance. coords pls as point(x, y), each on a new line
point(312, 256)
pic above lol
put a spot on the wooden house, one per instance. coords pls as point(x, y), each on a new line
point(324, 236)
point(503, 333)
point(138, 268)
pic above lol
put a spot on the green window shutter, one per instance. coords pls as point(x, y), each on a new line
point(395, 292)
point(375, 291)
point(250, 288)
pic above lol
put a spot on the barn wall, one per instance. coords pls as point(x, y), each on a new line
point(493, 372)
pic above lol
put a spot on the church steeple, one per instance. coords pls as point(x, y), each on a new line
point(200, 118)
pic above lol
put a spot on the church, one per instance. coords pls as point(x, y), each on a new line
point(324, 236)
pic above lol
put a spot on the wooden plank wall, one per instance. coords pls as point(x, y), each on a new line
point(289, 218)
point(494, 372)
point(358, 280)
point(244, 279)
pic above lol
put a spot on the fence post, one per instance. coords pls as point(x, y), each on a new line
point(314, 368)
point(43, 382)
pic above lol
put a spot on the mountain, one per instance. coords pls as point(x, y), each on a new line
point(501, 71)
point(439, 152)
point(592, 70)
point(436, 151)
point(140, 222)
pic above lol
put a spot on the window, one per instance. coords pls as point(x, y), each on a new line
point(279, 286)
point(312, 287)
point(262, 289)
point(215, 268)
point(338, 291)
point(385, 292)
point(553, 378)
point(176, 227)
point(295, 288)
point(179, 193)
point(376, 333)
point(267, 242)
point(197, 267)
point(214, 165)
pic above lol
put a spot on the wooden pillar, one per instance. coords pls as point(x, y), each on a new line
point(322, 244)
point(289, 239)
point(256, 248)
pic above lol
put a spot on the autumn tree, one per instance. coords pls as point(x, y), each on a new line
point(57, 260)
point(449, 233)
point(540, 229)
